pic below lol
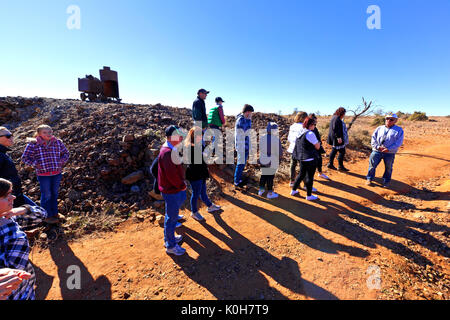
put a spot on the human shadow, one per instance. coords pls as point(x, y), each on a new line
point(421, 156)
point(354, 231)
point(302, 233)
point(399, 227)
point(394, 185)
point(391, 204)
point(43, 283)
point(68, 265)
point(238, 274)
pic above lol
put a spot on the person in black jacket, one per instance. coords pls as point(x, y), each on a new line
point(338, 139)
point(197, 173)
point(305, 150)
point(8, 169)
point(199, 109)
point(321, 150)
point(155, 193)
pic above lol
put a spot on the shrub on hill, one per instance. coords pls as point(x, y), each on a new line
point(418, 116)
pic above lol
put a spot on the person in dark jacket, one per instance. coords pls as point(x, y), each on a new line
point(321, 150)
point(155, 193)
point(8, 169)
point(199, 109)
point(305, 151)
point(173, 189)
point(338, 139)
point(197, 173)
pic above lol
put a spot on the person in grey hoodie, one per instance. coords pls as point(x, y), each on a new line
point(271, 152)
point(386, 140)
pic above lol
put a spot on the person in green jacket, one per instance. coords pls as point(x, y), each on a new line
point(216, 117)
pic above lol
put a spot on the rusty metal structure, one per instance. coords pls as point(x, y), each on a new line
point(105, 89)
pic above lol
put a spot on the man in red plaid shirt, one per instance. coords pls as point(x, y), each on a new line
point(48, 156)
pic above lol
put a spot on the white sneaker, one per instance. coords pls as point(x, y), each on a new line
point(313, 189)
point(177, 239)
point(180, 217)
point(272, 195)
point(213, 208)
point(312, 198)
point(294, 192)
point(197, 216)
point(323, 176)
point(177, 250)
point(261, 192)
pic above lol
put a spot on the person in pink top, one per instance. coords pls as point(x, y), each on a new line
point(47, 155)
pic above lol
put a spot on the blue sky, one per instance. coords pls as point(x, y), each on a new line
point(274, 55)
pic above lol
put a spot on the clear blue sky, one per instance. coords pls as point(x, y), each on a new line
point(275, 55)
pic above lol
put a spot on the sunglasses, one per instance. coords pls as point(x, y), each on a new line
point(7, 136)
point(390, 119)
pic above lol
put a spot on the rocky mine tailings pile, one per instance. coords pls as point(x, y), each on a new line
point(111, 146)
point(14, 109)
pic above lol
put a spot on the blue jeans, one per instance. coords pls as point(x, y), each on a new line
point(240, 167)
point(199, 191)
point(49, 193)
point(173, 204)
point(374, 161)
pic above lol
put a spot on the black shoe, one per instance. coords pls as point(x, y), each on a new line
point(343, 169)
point(52, 220)
point(330, 166)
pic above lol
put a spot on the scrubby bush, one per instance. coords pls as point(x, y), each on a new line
point(325, 127)
point(418, 116)
point(360, 140)
point(403, 115)
point(377, 121)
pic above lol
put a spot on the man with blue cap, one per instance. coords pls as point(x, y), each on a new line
point(386, 140)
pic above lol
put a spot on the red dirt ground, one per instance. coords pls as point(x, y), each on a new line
point(286, 248)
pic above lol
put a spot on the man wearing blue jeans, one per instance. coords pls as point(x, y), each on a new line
point(172, 187)
point(386, 140)
point(242, 141)
point(49, 193)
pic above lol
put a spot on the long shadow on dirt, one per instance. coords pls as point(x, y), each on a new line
point(303, 234)
point(238, 274)
point(64, 257)
point(43, 283)
point(363, 214)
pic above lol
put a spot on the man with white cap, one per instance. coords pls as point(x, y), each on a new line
point(386, 140)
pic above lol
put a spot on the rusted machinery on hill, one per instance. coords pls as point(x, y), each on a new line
point(105, 89)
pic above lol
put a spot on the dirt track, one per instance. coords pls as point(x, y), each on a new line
point(280, 249)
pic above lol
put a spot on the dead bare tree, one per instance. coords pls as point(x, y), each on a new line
point(364, 110)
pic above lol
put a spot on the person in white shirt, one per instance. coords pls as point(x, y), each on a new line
point(306, 151)
point(295, 131)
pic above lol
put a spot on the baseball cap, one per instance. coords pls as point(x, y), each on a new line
point(391, 115)
point(272, 126)
point(219, 99)
point(203, 91)
point(171, 130)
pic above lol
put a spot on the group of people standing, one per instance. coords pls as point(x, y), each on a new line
point(305, 147)
point(48, 155)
